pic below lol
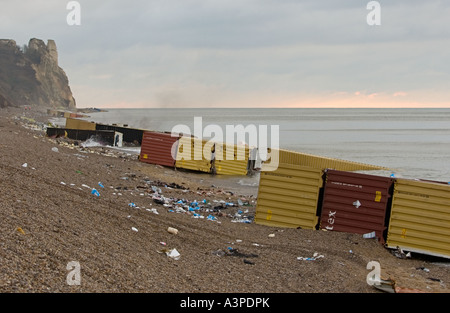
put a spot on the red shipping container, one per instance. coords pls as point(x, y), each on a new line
point(356, 203)
point(159, 148)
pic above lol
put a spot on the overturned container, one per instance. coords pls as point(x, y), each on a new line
point(230, 159)
point(420, 217)
point(288, 196)
point(356, 203)
point(159, 148)
point(194, 154)
point(321, 162)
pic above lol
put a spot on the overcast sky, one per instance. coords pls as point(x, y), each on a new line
point(246, 53)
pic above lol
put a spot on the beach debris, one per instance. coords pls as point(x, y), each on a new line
point(153, 211)
point(101, 185)
point(235, 252)
point(248, 262)
point(390, 286)
point(171, 253)
point(423, 269)
point(20, 230)
point(219, 252)
point(25, 165)
point(54, 149)
point(95, 192)
point(134, 229)
point(315, 257)
point(211, 218)
point(399, 253)
point(132, 205)
point(271, 235)
point(369, 235)
point(172, 230)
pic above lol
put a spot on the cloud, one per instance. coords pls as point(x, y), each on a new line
point(242, 53)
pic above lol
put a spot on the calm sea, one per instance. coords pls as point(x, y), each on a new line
point(414, 143)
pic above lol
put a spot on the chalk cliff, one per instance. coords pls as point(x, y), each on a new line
point(30, 75)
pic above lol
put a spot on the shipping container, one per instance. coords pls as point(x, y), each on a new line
point(356, 203)
point(320, 162)
point(420, 217)
point(194, 154)
point(74, 123)
point(130, 135)
point(159, 148)
point(288, 196)
point(105, 137)
point(231, 159)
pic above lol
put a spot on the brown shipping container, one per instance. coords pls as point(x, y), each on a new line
point(356, 203)
point(158, 148)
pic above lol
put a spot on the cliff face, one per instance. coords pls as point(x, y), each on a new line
point(31, 76)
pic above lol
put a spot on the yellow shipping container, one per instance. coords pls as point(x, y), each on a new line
point(320, 162)
point(231, 159)
point(74, 123)
point(194, 154)
point(288, 196)
point(420, 218)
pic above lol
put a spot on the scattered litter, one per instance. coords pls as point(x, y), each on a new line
point(101, 185)
point(423, 269)
point(399, 253)
point(211, 218)
point(390, 286)
point(95, 192)
point(63, 183)
point(153, 211)
point(132, 205)
point(86, 186)
point(54, 149)
point(25, 165)
point(172, 230)
point(248, 262)
point(163, 243)
point(171, 253)
point(219, 252)
point(271, 235)
point(313, 258)
point(369, 235)
point(134, 228)
point(235, 252)
point(20, 230)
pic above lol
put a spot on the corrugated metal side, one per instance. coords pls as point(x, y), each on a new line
point(196, 161)
point(355, 203)
point(288, 197)
point(320, 162)
point(236, 166)
point(420, 218)
point(157, 148)
point(73, 123)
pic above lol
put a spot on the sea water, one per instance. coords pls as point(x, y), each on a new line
point(413, 143)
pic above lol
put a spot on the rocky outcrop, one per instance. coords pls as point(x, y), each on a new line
point(31, 76)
